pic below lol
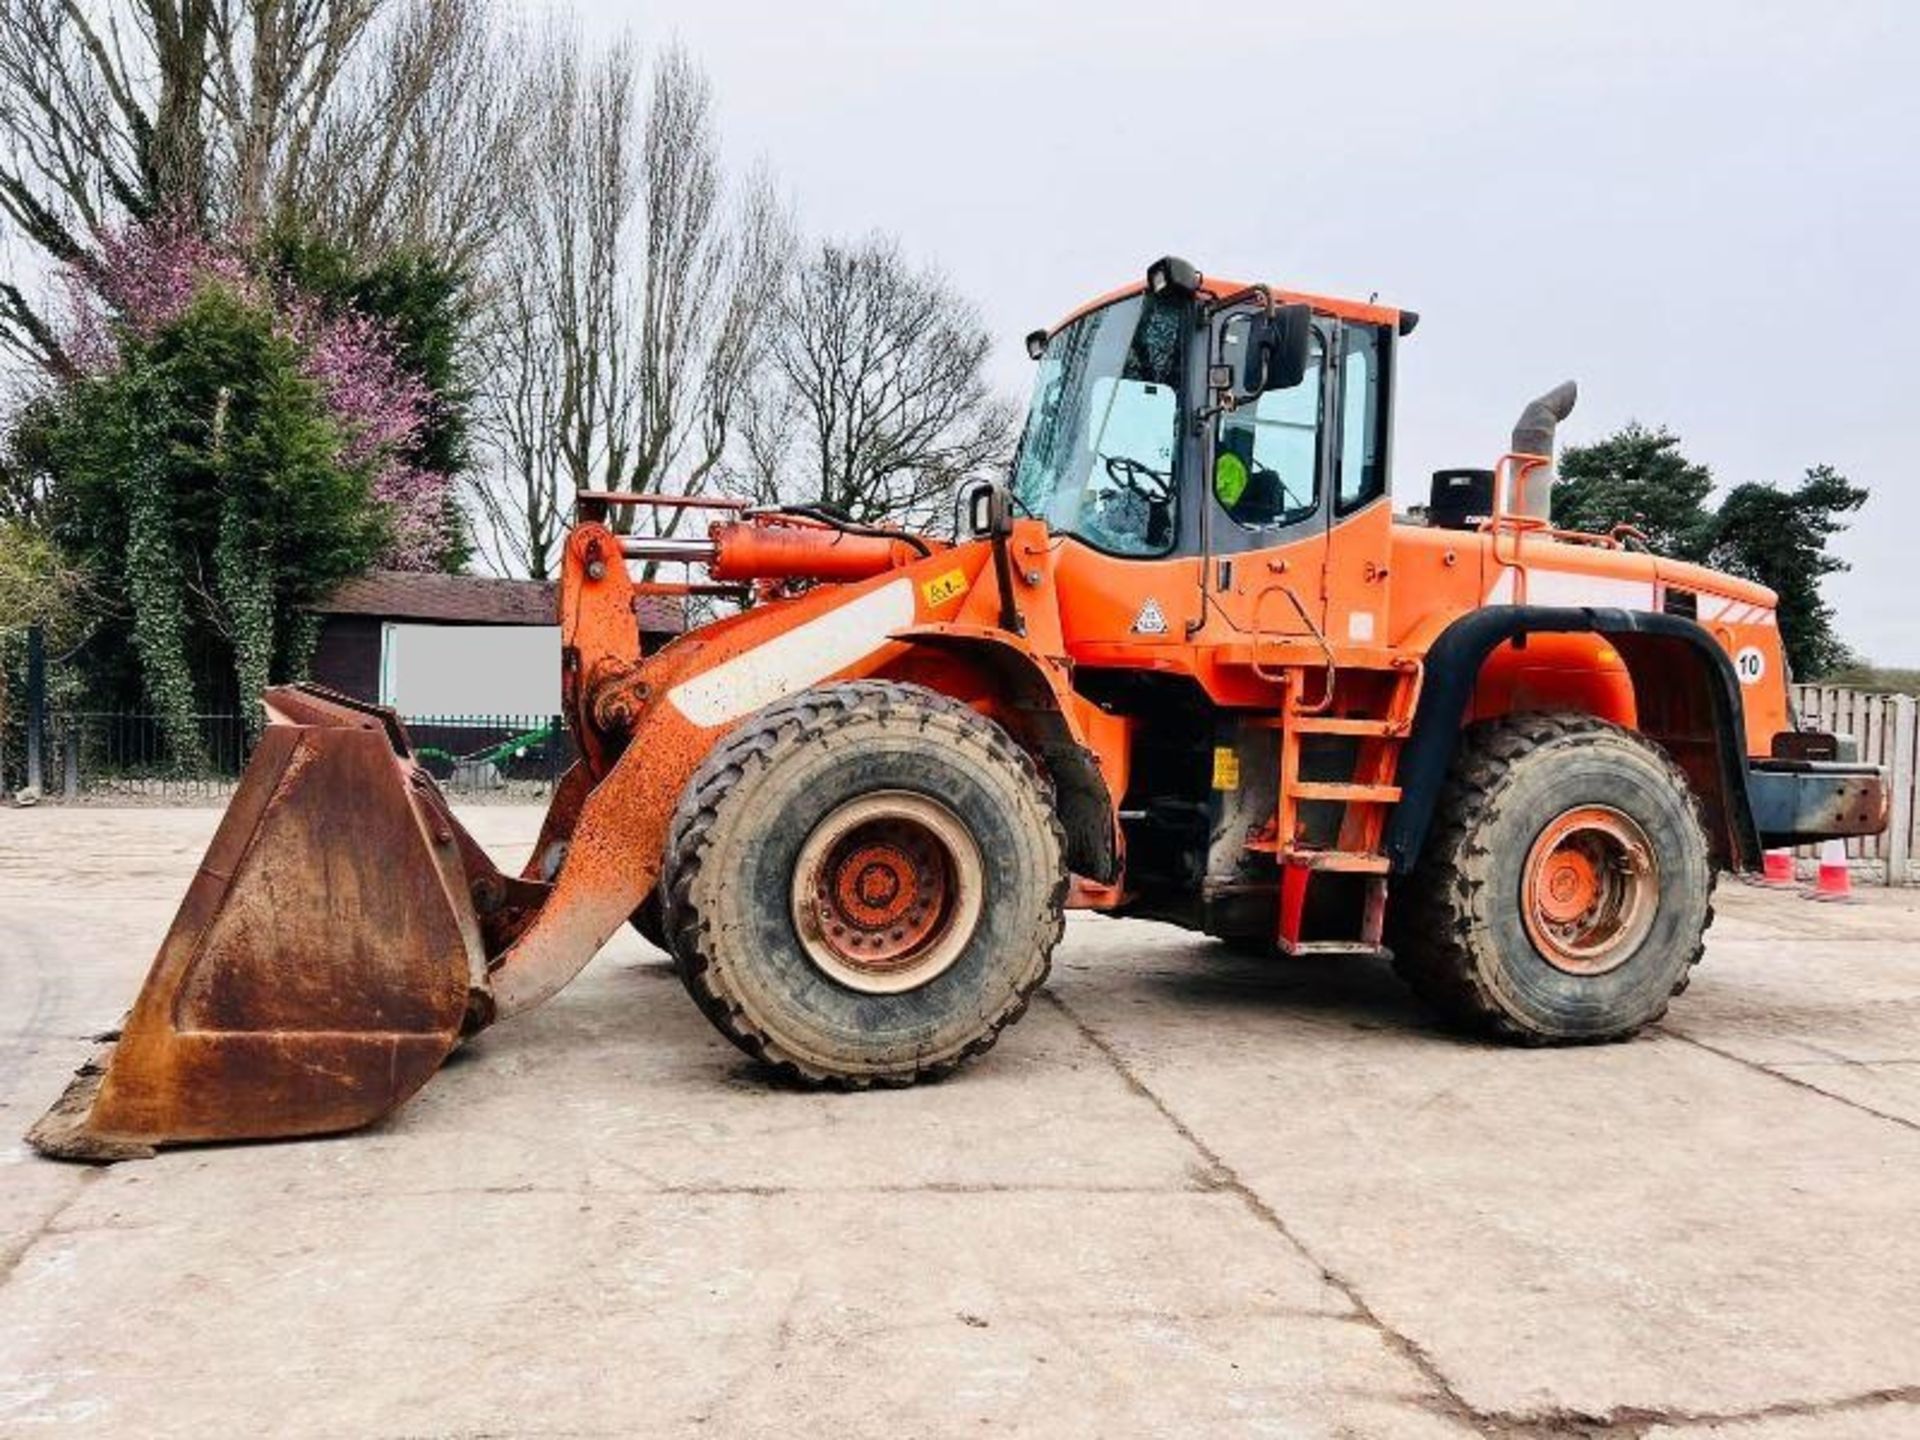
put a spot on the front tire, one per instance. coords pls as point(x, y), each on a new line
point(865, 884)
point(1565, 886)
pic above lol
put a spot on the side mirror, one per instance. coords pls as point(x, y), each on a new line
point(1278, 349)
point(984, 509)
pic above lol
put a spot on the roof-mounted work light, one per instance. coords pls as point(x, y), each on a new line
point(1172, 277)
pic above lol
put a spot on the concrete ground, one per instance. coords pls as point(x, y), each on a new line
point(1189, 1193)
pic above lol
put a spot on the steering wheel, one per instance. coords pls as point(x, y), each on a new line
point(1143, 480)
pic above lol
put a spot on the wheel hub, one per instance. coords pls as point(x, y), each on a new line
point(882, 892)
point(1569, 886)
point(887, 891)
point(1590, 890)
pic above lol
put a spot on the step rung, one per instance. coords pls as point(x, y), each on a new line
point(1351, 862)
point(1341, 725)
point(1346, 791)
point(1354, 949)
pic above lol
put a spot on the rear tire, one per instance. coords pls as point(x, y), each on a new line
point(1565, 886)
point(864, 884)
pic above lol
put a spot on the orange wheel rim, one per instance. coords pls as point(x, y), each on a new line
point(886, 891)
point(1590, 890)
point(883, 891)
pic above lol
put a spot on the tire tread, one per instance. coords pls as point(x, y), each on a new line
point(813, 717)
point(1443, 905)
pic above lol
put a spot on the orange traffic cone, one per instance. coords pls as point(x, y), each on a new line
point(1776, 869)
point(1834, 881)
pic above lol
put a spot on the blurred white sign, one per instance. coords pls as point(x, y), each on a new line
point(470, 669)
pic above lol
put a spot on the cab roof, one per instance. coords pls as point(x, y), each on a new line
point(1215, 288)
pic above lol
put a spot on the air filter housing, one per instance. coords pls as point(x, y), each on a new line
point(1460, 499)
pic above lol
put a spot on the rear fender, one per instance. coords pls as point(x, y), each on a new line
point(1685, 694)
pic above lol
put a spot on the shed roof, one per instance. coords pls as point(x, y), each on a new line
point(472, 600)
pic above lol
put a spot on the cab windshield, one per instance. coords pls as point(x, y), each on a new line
point(1097, 458)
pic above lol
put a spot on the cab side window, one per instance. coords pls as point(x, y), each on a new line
point(1266, 469)
point(1361, 476)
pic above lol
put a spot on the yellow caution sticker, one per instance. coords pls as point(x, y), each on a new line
point(1226, 768)
point(943, 588)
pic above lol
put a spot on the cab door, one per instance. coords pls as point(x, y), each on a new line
point(1266, 487)
point(1359, 517)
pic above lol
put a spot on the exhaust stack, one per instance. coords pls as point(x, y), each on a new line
point(1533, 435)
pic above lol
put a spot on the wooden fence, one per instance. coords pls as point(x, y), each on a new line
point(1884, 725)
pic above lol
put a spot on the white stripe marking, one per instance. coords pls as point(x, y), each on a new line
point(803, 656)
point(1735, 612)
point(1572, 588)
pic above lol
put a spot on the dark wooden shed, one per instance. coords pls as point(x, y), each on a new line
point(357, 621)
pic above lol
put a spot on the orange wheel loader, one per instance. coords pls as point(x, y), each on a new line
point(1184, 662)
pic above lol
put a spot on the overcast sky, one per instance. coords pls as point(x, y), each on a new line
point(1704, 212)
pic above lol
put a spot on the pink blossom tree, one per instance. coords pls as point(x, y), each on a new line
point(146, 275)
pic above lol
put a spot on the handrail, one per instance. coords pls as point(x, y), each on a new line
point(1283, 677)
point(1509, 475)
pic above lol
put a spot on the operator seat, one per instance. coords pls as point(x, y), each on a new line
point(1264, 500)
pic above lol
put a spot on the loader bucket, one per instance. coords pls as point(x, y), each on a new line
point(319, 968)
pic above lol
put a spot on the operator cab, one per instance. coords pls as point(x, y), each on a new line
point(1100, 454)
point(1182, 418)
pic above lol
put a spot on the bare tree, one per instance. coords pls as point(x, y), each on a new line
point(547, 348)
point(274, 67)
point(629, 280)
point(84, 134)
point(424, 140)
point(883, 405)
point(372, 121)
point(520, 499)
